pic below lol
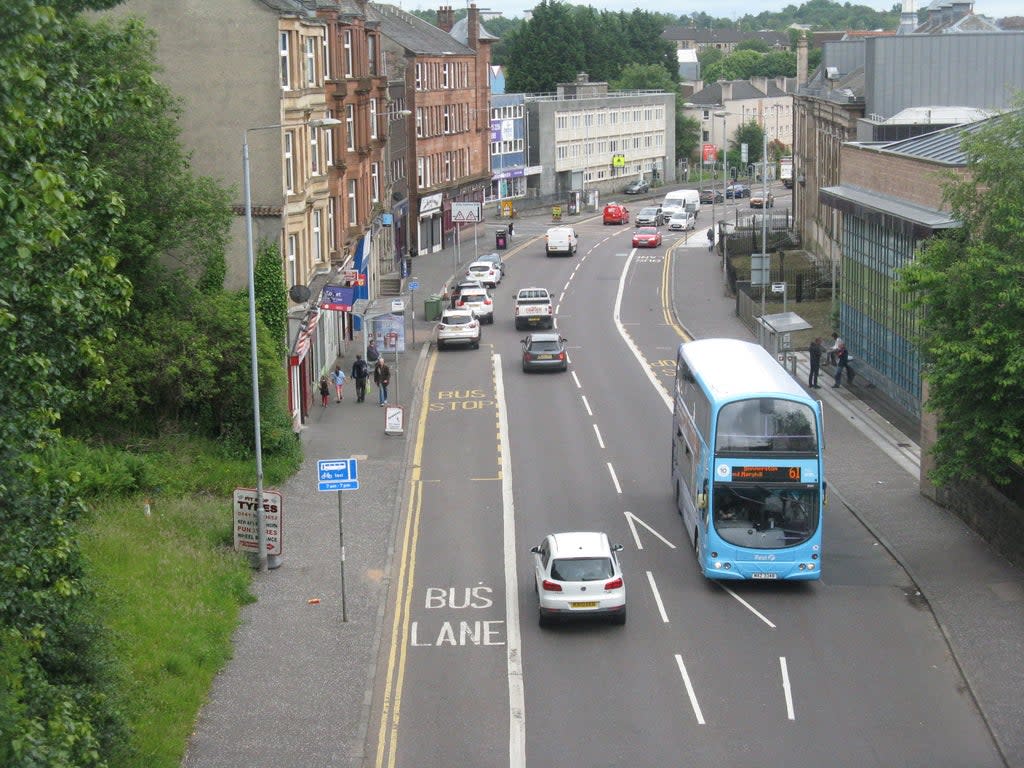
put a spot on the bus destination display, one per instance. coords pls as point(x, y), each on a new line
point(767, 474)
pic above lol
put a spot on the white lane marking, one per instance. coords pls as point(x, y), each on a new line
point(597, 432)
point(689, 690)
point(576, 379)
point(631, 519)
point(657, 597)
point(615, 480)
point(787, 688)
point(747, 605)
point(514, 657)
point(617, 317)
point(586, 404)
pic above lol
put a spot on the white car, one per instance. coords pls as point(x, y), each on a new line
point(479, 302)
point(577, 574)
point(485, 272)
point(682, 220)
point(458, 326)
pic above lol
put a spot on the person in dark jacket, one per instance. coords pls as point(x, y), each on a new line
point(360, 372)
point(382, 377)
point(815, 351)
point(842, 360)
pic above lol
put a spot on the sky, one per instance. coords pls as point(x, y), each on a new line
point(732, 9)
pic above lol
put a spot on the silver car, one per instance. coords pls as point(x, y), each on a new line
point(544, 352)
point(577, 574)
point(458, 326)
point(479, 302)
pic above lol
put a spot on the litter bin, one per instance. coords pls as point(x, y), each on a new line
point(432, 308)
point(501, 239)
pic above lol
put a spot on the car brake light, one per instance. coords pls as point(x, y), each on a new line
point(487, 301)
point(461, 302)
point(550, 586)
point(561, 355)
point(614, 584)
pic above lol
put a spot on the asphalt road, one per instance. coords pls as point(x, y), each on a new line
point(849, 671)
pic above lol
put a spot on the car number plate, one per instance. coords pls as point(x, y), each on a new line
point(764, 575)
point(584, 604)
point(543, 357)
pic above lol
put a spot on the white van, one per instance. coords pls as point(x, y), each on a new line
point(680, 200)
point(561, 241)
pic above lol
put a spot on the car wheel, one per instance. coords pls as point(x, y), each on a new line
point(542, 620)
point(620, 618)
point(476, 344)
point(440, 345)
point(565, 366)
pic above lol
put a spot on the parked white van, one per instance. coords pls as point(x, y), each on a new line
point(561, 241)
point(680, 200)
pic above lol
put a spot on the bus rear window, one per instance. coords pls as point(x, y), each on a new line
point(766, 425)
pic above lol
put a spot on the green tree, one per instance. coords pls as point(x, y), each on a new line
point(644, 77)
point(968, 288)
point(544, 51)
point(741, 65)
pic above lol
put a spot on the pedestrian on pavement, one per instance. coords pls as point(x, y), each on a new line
point(815, 351)
point(837, 341)
point(325, 391)
point(510, 228)
point(711, 239)
point(842, 360)
point(360, 372)
point(371, 351)
point(338, 379)
point(382, 377)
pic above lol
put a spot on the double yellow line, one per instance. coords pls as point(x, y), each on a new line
point(667, 282)
point(387, 737)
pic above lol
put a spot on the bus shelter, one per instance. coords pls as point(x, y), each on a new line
point(775, 335)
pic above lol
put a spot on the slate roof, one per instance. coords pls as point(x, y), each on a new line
point(942, 146)
point(460, 31)
point(414, 34)
point(711, 94)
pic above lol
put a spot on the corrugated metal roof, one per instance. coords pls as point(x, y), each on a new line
point(942, 146)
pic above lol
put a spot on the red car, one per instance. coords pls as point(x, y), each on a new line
point(646, 237)
point(615, 214)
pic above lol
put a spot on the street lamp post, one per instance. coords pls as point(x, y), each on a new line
point(262, 559)
point(725, 160)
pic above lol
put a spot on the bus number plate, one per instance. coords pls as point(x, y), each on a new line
point(764, 575)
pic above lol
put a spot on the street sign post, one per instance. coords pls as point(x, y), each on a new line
point(337, 475)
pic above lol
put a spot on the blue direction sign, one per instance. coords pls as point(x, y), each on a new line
point(337, 475)
point(414, 284)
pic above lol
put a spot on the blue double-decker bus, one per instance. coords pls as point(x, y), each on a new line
point(747, 466)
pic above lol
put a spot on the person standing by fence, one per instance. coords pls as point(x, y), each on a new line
point(711, 239)
point(815, 351)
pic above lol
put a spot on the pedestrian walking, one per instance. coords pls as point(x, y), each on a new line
point(372, 354)
point(338, 379)
point(360, 372)
point(842, 360)
point(382, 377)
point(711, 239)
point(510, 228)
point(815, 351)
point(325, 391)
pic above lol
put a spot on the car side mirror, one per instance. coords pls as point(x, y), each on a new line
point(616, 548)
point(535, 550)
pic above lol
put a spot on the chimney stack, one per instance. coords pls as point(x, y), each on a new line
point(445, 18)
point(473, 27)
point(801, 60)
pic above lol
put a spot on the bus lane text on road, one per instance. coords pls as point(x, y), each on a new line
point(449, 631)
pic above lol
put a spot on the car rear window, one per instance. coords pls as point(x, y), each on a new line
point(474, 296)
point(456, 319)
point(480, 268)
point(582, 569)
point(544, 346)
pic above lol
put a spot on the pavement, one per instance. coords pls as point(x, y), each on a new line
point(298, 690)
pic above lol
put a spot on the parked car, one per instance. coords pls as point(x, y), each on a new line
point(760, 201)
point(711, 196)
point(461, 286)
point(649, 216)
point(637, 187)
point(544, 352)
point(577, 574)
point(484, 271)
point(736, 191)
point(458, 326)
point(479, 302)
point(646, 237)
point(615, 214)
point(682, 220)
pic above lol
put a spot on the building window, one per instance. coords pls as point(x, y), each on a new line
point(347, 52)
point(332, 222)
point(293, 260)
point(373, 118)
point(314, 151)
point(445, 75)
point(421, 169)
point(310, 61)
point(325, 56)
point(375, 182)
point(419, 76)
point(353, 205)
point(318, 243)
point(350, 126)
point(286, 81)
point(419, 122)
point(289, 162)
point(447, 119)
point(329, 143)
point(371, 50)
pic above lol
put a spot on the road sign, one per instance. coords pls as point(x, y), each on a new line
point(337, 475)
point(466, 212)
point(414, 285)
point(778, 287)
